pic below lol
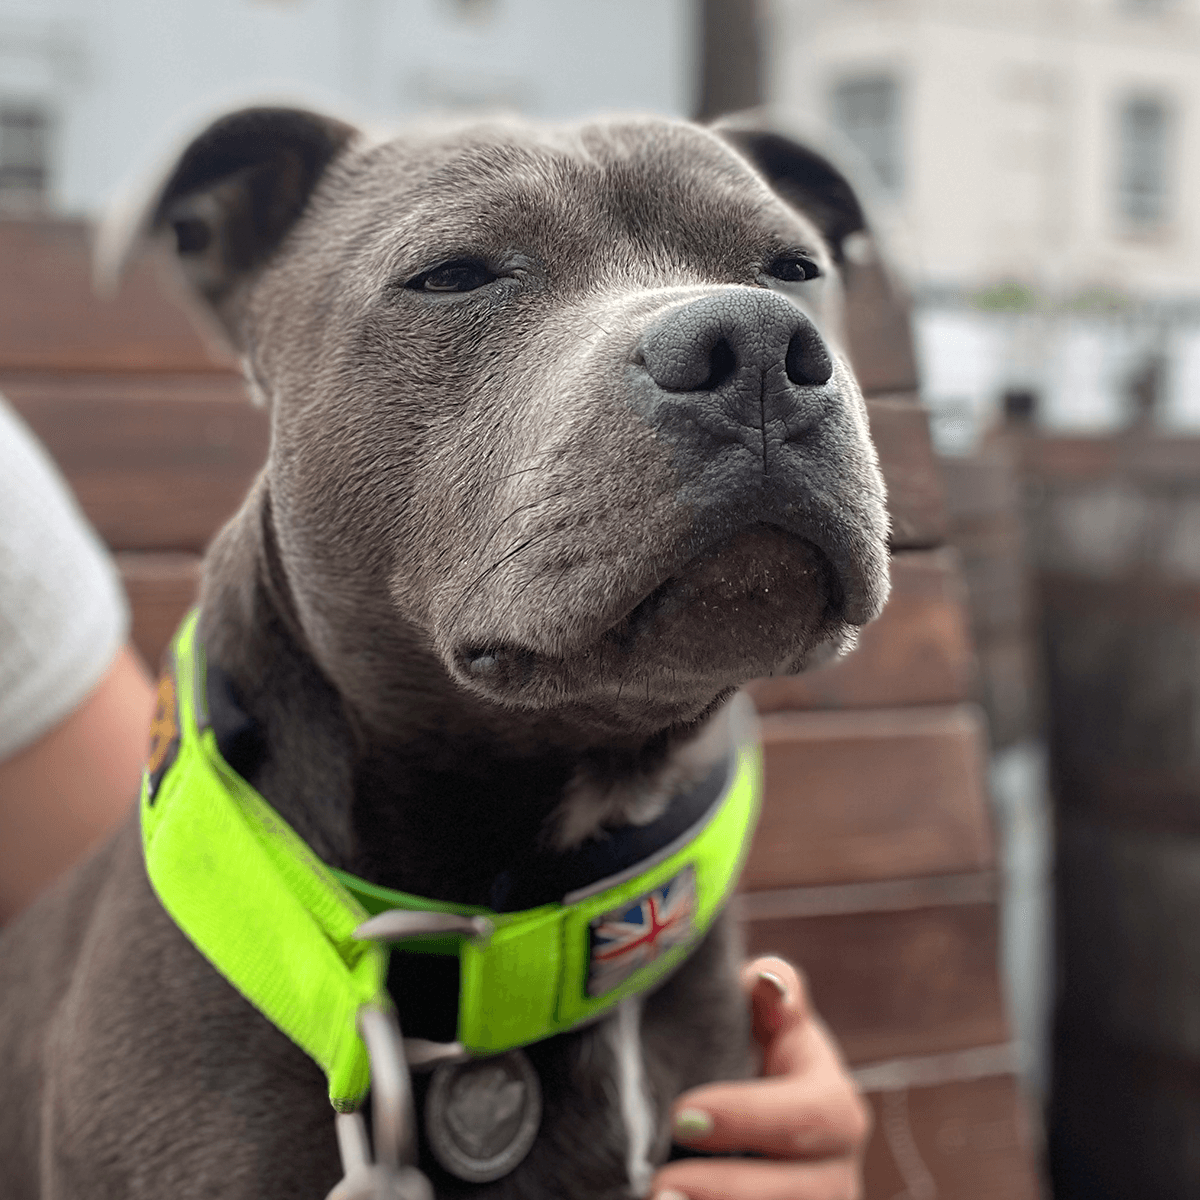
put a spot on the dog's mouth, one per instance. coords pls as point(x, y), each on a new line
point(748, 604)
point(756, 569)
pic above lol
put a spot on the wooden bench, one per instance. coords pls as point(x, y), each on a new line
point(874, 866)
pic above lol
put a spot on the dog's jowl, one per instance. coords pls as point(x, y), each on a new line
point(563, 451)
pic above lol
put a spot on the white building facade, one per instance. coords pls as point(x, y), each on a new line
point(1038, 164)
point(90, 88)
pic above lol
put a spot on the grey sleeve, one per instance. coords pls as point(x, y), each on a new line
point(63, 612)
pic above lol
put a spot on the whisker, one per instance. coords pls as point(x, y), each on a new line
point(531, 541)
point(523, 508)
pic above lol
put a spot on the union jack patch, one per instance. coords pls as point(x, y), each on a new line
point(633, 936)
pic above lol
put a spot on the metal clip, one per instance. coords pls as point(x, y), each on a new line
point(393, 1175)
point(397, 924)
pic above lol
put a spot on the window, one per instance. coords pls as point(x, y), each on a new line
point(867, 111)
point(1142, 135)
point(24, 156)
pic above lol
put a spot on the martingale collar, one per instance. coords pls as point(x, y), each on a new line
point(279, 924)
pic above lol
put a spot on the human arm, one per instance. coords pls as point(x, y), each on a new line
point(62, 793)
point(75, 701)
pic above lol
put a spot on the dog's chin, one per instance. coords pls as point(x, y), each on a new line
point(762, 602)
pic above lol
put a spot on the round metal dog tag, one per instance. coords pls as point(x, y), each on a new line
point(481, 1117)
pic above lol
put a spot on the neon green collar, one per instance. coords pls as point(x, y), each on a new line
point(278, 923)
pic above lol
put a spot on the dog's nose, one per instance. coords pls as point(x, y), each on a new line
point(731, 342)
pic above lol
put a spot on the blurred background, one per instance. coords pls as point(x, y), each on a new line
point(987, 824)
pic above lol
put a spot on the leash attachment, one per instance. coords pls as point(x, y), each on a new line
point(481, 1115)
point(393, 1175)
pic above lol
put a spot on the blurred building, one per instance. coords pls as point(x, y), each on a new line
point(87, 90)
point(1037, 163)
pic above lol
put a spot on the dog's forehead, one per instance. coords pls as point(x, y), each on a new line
point(646, 177)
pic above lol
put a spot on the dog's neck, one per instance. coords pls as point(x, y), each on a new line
point(440, 806)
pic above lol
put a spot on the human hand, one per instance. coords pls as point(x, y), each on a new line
point(804, 1115)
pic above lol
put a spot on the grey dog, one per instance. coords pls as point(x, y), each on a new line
point(563, 451)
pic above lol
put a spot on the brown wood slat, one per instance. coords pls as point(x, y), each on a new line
point(966, 1140)
point(900, 983)
point(126, 443)
point(916, 497)
point(157, 464)
point(161, 588)
point(1076, 460)
point(51, 318)
point(878, 330)
point(880, 794)
point(917, 652)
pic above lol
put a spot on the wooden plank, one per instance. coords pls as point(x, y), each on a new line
point(963, 1140)
point(126, 443)
point(860, 795)
point(1152, 460)
point(51, 318)
point(161, 588)
point(897, 983)
point(878, 331)
point(117, 388)
point(157, 463)
point(916, 497)
point(880, 895)
point(917, 652)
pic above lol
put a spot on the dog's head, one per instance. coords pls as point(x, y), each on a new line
point(559, 411)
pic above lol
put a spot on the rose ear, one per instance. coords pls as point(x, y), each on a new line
point(801, 175)
point(230, 200)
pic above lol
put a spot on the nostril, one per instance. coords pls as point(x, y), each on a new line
point(722, 363)
point(808, 360)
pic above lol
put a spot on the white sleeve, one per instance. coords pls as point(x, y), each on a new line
point(63, 612)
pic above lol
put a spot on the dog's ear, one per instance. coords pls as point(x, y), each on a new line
point(232, 197)
point(801, 176)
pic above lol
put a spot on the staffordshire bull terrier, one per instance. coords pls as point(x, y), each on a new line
point(563, 450)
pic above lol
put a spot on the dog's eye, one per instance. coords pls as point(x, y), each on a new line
point(462, 275)
point(793, 268)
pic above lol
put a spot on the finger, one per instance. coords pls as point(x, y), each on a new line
point(778, 996)
point(734, 1179)
point(791, 1035)
point(817, 1115)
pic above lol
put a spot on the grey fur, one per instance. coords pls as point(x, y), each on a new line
point(429, 602)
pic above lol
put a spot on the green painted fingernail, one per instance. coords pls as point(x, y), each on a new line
point(693, 1123)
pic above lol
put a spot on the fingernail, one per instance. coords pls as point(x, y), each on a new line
point(776, 981)
point(669, 1195)
point(693, 1123)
